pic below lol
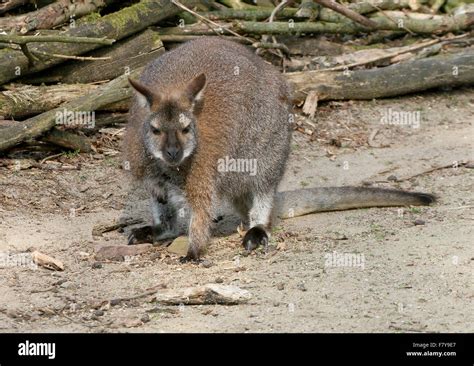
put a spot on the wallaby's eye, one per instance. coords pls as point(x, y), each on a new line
point(155, 130)
point(186, 129)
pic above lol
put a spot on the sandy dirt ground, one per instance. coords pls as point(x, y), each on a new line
point(404, 277)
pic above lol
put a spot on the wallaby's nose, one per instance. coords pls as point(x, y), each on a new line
point(172, 152)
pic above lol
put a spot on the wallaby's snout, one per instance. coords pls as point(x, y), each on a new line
point(173, 151)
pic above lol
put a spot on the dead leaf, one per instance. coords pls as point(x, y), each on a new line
point(310, 104)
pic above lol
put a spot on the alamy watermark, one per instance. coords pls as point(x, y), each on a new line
point(336, 259)
point(67, 117)
point(17, 260)
point(227, 164)
point(401, 118)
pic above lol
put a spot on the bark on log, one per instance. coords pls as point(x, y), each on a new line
point(51, 15)
point(116, 90)
point(442, 24)
point(408, 77)
point(327, 15)
point(11, 4)
point(117, 25)
point(127, 54)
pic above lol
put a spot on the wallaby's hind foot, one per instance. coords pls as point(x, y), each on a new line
point(255, 237)
point(140, 235)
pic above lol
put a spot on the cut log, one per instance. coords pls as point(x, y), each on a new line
point(117, 25)
point(412, 76)
point(128, 54)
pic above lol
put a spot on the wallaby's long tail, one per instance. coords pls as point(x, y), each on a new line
point(305, 201)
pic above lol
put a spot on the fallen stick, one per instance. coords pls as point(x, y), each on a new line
point(209, 294)
point(347, 12)
point(399, 51)
point(102, 228)
point(431, 170)
point(15, 39)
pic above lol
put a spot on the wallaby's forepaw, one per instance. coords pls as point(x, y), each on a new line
point(255, 237)
point(191, 256)
point(190, 259)
point(140, 235)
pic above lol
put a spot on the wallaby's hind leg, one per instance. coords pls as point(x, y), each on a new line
point(242, 206)
point(260, 221)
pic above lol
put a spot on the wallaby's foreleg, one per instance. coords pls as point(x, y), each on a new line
point(260, 221)
point(199, 231)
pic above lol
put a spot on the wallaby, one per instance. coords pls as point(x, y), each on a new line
point(203, 114)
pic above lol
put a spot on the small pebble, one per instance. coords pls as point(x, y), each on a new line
point(145, 318)
point(96, 265)
point(301, 287)
point(206, 263)
point(280, 286)
point(98, 313)
point(114, 302)
point(67, 285)
point(419, 222)
point(219, 280)
point(392, 178)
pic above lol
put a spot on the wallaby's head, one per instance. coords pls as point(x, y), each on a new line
point(169, 128)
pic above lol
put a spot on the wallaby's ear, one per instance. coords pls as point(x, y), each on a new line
point(145, 96)
point(195, 88)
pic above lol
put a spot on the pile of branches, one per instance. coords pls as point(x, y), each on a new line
point(64, 62)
